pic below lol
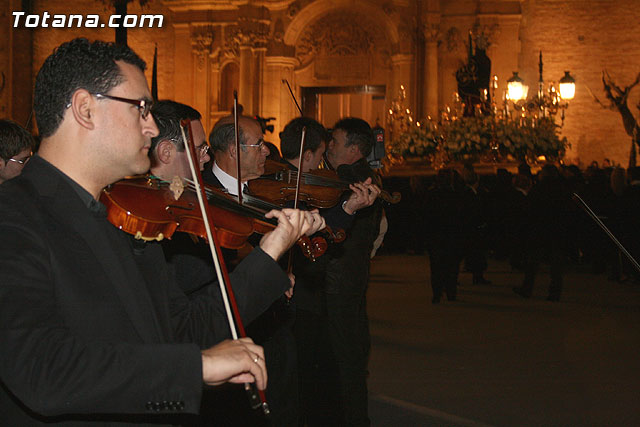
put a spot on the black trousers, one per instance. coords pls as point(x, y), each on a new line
point(445, 265)
point(348, 331)
point(555, 256)
point(318, 389)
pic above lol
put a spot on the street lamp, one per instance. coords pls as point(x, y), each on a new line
point(567, 86)
point(545, 103)
point(516, 90)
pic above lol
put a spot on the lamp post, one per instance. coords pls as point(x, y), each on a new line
point(546, 102)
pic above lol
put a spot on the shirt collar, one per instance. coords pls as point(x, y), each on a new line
point(87, 199)
point(227, 181)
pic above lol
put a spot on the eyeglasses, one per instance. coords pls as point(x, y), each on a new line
point(20, 161)
point(259, 144)
point(143, 105)
point(202, 148)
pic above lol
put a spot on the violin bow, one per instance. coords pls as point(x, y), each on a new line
point(285, 81)
point(257, 397)
point(297, 194)
point(236, 130)
point(295, 201)
point(604, 228)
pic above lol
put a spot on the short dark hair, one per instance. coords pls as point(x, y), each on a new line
point(167, 115)
point(292, 132)
point(358, 133)
point(13, 139)
point(223, 135)
point(77, 64)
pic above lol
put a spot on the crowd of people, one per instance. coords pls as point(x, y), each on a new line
point(102, 328)
point(530, 219)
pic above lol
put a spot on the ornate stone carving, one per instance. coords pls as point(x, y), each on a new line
point(201, 44)
point(485, 35)
point(278, 31)
point(293, 9)
point(230, 47)
point(339, 33)
point(431, 32)
point(247, 33)
point(453, 39)
point(408, 35)
point(389, 8)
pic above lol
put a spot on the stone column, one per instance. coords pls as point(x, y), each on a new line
point(276, 99)
point(214, 93)
point(245, 86)
point(201, 43)
point(401, 74)
point(431, 88)
point(182, 88)
point(257, 79)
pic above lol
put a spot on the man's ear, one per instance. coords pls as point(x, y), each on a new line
point(232, 151)
point(308, 154)
point(165, 150)
point(83, 108)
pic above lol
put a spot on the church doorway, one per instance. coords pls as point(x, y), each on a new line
point(331, 103)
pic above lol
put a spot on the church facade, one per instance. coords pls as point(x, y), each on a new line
point(350, 57)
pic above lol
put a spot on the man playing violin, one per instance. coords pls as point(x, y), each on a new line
point(253, 153)
point(362, 194)
point(273, 328)
point(167, 151)
point(192, 263)
point(317, 379)
point(347, 274)
point(94, 329)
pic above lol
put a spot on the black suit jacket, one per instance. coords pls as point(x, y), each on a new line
point(90, 323)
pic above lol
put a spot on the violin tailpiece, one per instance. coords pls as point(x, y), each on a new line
point(176, 187)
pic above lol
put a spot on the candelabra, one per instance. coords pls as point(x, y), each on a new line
point(399, 118)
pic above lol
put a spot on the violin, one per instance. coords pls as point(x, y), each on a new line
point(152, 209)
point(320, 188)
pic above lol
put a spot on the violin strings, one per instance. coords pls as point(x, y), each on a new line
point(256, 211)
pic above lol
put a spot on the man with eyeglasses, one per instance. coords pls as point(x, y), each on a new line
point(167, 151)
point(253, 153)
point(272, 329)
point(16, 146)
point(94, 329)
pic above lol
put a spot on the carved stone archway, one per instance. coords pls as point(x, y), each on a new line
point(346, 44)
point(317, 9)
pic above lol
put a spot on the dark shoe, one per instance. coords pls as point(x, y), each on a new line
point(520, 291)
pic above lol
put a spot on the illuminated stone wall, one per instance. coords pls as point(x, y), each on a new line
point(586, 37)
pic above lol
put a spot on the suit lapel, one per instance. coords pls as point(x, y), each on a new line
point(119, 268)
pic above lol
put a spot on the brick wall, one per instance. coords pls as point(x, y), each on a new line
point(586, 37)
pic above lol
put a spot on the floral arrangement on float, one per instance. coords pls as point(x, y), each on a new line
point(417, 142)
point(482, 138)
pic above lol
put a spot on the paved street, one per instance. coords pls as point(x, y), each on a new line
point(493, 358)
